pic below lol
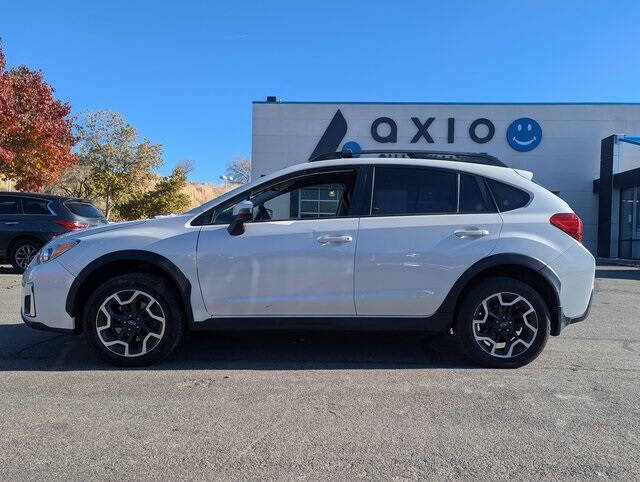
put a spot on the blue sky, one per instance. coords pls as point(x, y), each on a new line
point(185, 73)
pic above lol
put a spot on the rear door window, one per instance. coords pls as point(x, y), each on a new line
point(9, 205)
point(413, 190)
point(35, 206)
point(507, 197)
point(82, 209)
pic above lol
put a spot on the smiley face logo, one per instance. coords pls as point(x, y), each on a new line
point(524, 134)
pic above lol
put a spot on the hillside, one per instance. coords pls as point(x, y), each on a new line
point(200, 192)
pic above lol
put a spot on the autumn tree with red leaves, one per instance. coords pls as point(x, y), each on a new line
point(36, 133)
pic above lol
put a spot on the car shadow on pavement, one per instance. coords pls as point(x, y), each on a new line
point(24, 349)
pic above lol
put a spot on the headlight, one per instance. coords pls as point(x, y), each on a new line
point(55, 249)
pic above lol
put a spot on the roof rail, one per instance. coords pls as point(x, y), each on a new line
point(473, 157)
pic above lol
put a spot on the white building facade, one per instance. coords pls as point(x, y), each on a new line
point(566, 146)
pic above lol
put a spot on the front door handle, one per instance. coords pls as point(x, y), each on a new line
point(334, 239)
point(471, 233)
point(11, 223)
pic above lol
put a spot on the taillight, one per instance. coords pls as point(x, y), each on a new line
point(72, 224)
point(570, 223)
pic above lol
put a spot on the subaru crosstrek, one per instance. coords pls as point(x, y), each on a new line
point(453, 243)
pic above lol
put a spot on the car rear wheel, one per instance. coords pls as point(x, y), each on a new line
point(502, 323)
point(23, 252)
point(134, 320)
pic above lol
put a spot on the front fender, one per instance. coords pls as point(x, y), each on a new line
point(95, 270)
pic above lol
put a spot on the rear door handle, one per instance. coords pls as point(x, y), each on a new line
point(471, 233)
point(337, 239)
point(11, 223)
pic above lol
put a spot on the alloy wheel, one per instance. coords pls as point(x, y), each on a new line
point(24, 254)
point(505, 325)
point(130, 323)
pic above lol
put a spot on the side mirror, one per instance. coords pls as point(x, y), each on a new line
point(242, 212)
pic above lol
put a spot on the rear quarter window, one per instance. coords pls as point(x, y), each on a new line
point(85, 210)
point(508, 197)
point(35, 206)
point(474, 197)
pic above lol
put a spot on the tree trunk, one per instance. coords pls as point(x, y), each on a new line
point(107, 207)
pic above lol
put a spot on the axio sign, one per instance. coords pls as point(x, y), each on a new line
point(523, 134)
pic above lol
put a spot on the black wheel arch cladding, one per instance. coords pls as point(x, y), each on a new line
point(120, 261)
point(501, 265)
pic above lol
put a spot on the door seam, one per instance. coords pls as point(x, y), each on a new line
point(355, 252)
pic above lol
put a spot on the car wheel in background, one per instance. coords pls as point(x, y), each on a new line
point(23, 252)
point(502, 323)
point(134, 319)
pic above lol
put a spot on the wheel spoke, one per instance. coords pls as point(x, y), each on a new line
point(519, 341)
point(508, 345)
point(146, 338)
point(119, 317)
point(148, 310)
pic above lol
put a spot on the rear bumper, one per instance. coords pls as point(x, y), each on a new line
point(575, 269)
point(566, 320)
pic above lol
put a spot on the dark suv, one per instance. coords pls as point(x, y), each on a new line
point(28, 221)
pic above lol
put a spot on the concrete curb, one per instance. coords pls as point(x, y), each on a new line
point(619, 262)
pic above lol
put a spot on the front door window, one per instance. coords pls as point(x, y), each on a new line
point(319, 196)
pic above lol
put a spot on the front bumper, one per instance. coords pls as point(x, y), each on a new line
point(44, 293)
point(36, 325)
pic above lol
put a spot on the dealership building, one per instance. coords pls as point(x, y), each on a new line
point(588, 154)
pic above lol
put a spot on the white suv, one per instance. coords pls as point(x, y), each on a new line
point(454, 243)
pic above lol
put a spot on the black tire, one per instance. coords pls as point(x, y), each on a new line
point(169, 309)
point(501, 327)
point(20, 251)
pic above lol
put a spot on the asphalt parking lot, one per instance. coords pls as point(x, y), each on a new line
point(326, 406)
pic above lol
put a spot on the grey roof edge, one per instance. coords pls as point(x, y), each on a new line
point(439, 103)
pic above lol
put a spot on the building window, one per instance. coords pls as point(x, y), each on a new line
point(630, 223)
point(319, 201)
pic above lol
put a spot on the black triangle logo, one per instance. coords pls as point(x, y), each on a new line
point(332, 137)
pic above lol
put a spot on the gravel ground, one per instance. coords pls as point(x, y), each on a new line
point(326, 406)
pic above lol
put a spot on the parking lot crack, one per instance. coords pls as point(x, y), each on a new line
point(33, 345)
point(269, 429)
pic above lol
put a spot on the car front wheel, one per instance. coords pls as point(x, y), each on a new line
point(134, 319)
point(502, 323)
